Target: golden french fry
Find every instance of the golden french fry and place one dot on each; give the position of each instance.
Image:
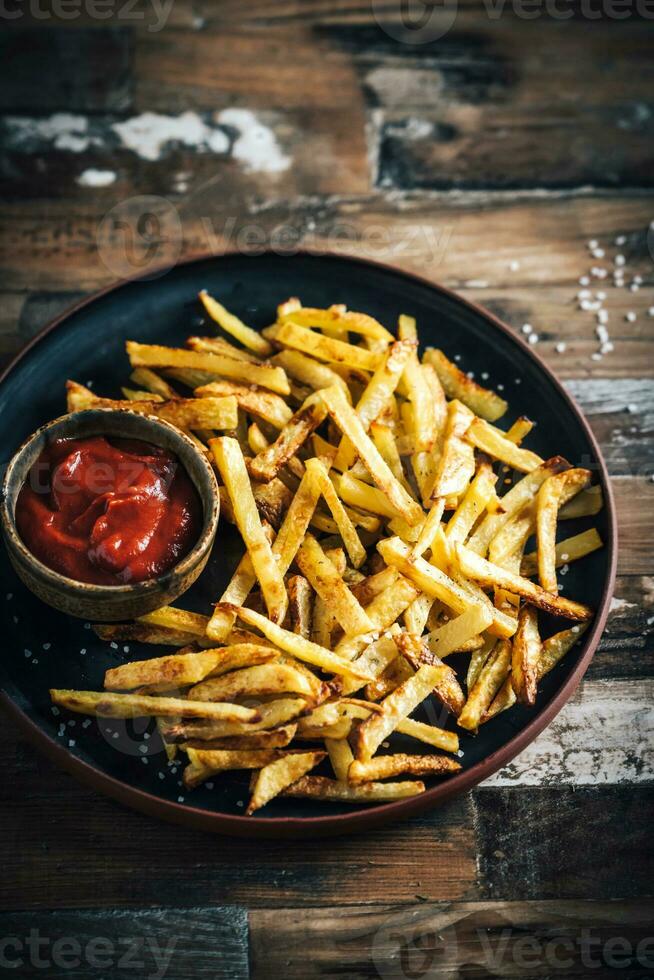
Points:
(184, 669)
(477, 661)
(300, 648)
(474, 502)
(340, 756)
(149, 380)
(450, 637)
(170, 617)
(205, 763)
(153, 355)
(300, 601)
(550, 497)
(236, 328)
(279, 775)
(526, 655)
(267, 463)
(230, 462)
(191, 413)
(439, 738)
(490, 679)
(586, 504)
(350, 425)
(272, 678)
(446, 685)
(325, 579)
(275, 738)
(566, 551)
(258, 402)
(458, 385)
(456, 464)
(494, 443)
(106, 705)
(487, 574)
(397, 706)
(271, 714)
(318, 473)
(218, 345)
(143, 633)
(326, 348)
(385, 766)
(331, 790)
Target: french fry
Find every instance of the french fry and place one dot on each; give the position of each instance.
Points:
(275, 738)
(218, 345)
(386, 766)
(340, 756)
(184, 669)
(384, 439)
(169, 617)
(192, 413)
(258, 402)
(279, 775)
(586, 504)
(566, 551)
(429, 529)
(229, 458)
(356, 493)
(472, 506)
(456, 465)
(436, 583)
(487, 574)
(325, 579)
(397, 706)
(152, 355)
(550, 497)
(450, 637)
(456, 384)
(350, 425)
(477, 661)
(149, 380)
(518, 497)
(300, 648)
(446, 686)
(144, 633)
(107, 705)
(271, 714)
(300, 600)
(331, 790)
(319, 475)
(489, 680)
(417, 614)
(205, 763)
(338, 316)
(309, 372)
(232, 325)
(526, 655)
(376, 396)
(270, 678)
(326, 348)
(439, 738)
(494, 443)
(267, 463)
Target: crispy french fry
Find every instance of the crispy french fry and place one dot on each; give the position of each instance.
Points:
(550, 497)
(236, 328)
(439, 738)
(318, 473)
(300, 648)
(456, 464)
(258, 402)
(326, 348)
(350, 425)
(478, 659)
(526, 655)
(586, 504)
(271, 714)
(450, 637)
(152, 355)
(275, 738)
(338, 316)
(205, 763)
(566, 551)
(170, 617)
(489, 680)
(192, 413)
(107, 705)
(308, 371)
(458, 385)
(340, 756)
(300, 600)
(323, 576)
(143, 633)
(218, 345)
(487, 574)
(494, 443)
(271, 678)
(397, 706)
(229, 458)
(183, 669)
(472, 506)
(267, 463)
(385, 766)
(149, 380)
(331, 790)
(446, 686)
(279, 775)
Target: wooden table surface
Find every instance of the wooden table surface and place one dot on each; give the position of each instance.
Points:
(486, 156)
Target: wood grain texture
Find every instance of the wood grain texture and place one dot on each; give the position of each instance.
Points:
(550, 842)
(145, 942)
(571, 939)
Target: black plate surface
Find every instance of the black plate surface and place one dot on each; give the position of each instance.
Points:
(43, 649)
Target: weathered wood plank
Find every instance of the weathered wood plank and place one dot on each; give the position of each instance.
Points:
(563, 842)
(603, 736)
(146, 942)
(627, 646)
(635, 505)
(60, 839)
(571, 939)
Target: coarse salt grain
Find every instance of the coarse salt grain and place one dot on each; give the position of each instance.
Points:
(607, 347)
(514, 265)
(584, 281)
(601, 295)
(596, 357)
(630, 317)
(527, 328)
(593, 243)
(560, 347)
(602, 316)
(621, 239)
(598, 253)
(620, 260)
(638, 280)
(533, 338)
(602, 333)
(634, 287)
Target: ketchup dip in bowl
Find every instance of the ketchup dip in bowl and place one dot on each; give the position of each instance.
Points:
(108, 514)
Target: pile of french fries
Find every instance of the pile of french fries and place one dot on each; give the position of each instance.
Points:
(367, 486)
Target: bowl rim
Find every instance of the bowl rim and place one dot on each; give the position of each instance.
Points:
(363, 818)
(211, 509)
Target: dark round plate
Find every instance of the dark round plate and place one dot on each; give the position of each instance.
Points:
(44, 649)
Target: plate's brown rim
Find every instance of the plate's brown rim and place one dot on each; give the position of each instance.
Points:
(241, 826)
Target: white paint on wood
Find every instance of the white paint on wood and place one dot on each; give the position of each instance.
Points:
(604, 736)
(148, 135)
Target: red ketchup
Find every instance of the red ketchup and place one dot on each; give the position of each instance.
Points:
(108, 511)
